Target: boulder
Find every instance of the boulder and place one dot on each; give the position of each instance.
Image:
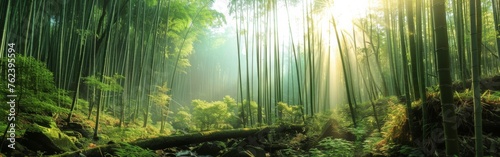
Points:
(49, 140)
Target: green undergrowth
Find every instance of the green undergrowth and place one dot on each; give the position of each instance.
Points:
(109, 131)
(38, 100)
(394, 137)
(366, 134)
(333, 133)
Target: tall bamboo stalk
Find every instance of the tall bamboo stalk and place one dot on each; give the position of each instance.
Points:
(476, 76)
(443, 57)
(405, 68)
(344, 69)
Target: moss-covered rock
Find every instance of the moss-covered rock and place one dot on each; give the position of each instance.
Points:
(49, 140)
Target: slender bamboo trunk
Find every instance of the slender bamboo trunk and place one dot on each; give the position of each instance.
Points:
(348, 89)
(152, 67)
(413, 51)
(296, 64)
(238, 23)
(405, 68)
(4, 29)
(479, 22)
(370, 90)
(421, 70)
(81, 63)
(60, 54)
(367, 60)
(476, 76)
(443, 56)
(496, 18)
(100, 93)
(389, 48)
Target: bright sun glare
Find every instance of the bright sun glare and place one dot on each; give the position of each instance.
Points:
(344, 11)
(347, 10)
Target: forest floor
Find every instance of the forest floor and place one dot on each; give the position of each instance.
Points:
(328, 134)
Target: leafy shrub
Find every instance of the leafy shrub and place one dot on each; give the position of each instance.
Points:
(253, 110)
(290, 113)
(234, 111)
(31, 75)
(183, 120)
(210, 115)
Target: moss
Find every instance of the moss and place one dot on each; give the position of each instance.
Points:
(51, 137)
(45, 121)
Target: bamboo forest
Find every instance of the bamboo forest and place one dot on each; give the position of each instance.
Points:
(250, 78)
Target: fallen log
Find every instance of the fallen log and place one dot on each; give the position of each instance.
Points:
(163, 142)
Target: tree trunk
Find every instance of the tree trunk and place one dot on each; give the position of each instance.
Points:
(496, 19)
(348, 89)
(3, 27)
(405, 68)
(192, 138)
(413, 50)
(443, 57)
(479, 31)
(389, 49)
(478, 130)
(162, 127)
(421, 69)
